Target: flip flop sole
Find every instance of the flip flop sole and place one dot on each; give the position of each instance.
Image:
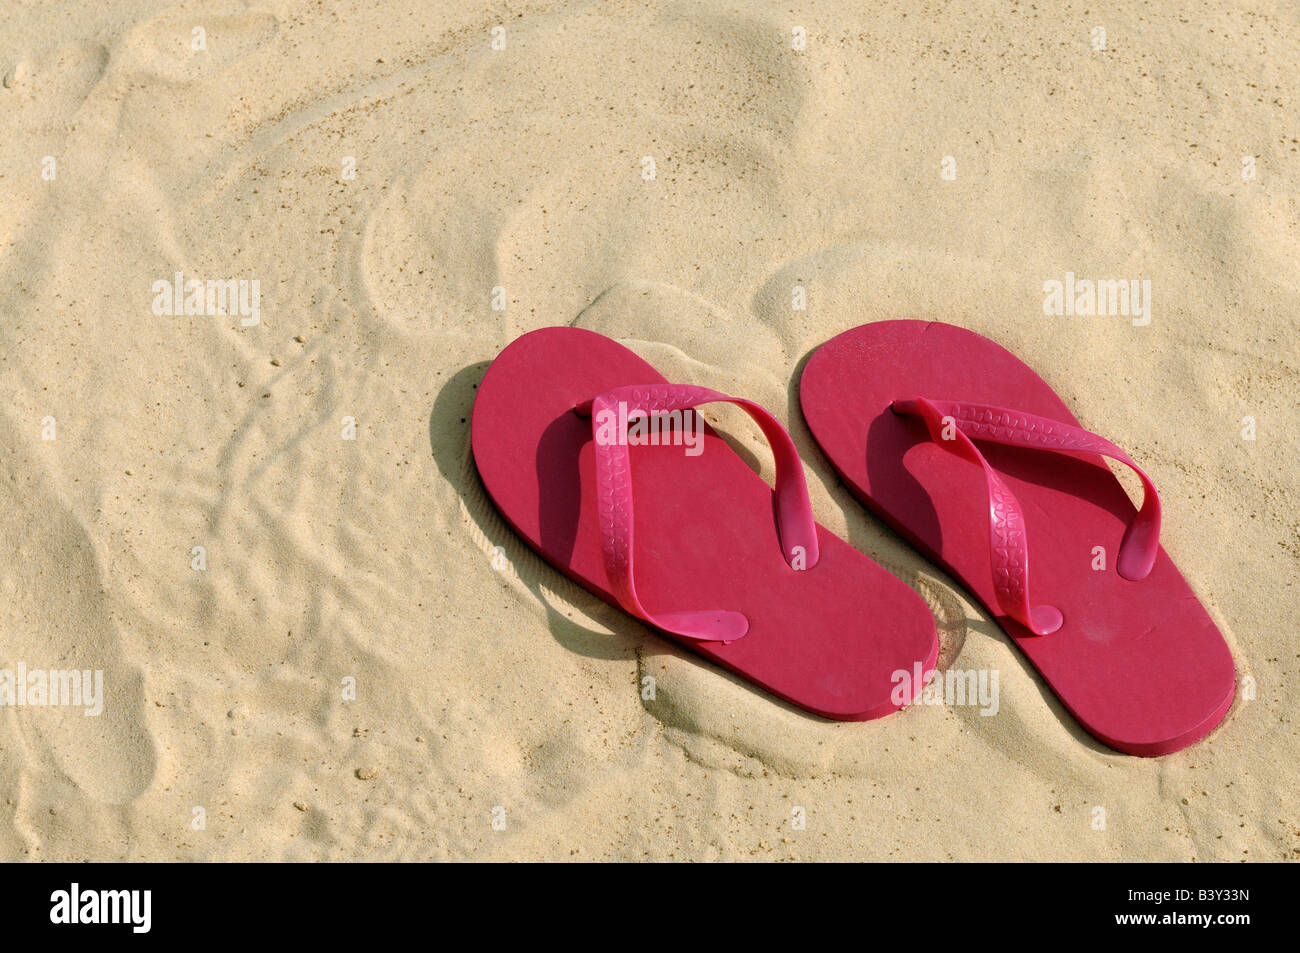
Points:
(1140, 664)
(829, 639)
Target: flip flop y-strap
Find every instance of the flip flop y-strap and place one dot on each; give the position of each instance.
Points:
(954, 425)
(610, 414)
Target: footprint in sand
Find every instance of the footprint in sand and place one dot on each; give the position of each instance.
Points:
(59, 78)
(54, 613)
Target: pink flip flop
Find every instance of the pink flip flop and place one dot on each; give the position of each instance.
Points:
(968, 454)
(719, 561)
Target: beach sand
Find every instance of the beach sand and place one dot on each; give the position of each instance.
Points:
(318, 639)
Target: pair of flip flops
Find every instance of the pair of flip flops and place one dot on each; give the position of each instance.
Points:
(951, 439)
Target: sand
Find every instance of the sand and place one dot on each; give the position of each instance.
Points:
(318, 639)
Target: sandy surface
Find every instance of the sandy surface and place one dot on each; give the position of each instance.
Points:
(482, 679)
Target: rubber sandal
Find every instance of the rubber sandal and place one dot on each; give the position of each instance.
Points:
(969, 455)
(719, 562)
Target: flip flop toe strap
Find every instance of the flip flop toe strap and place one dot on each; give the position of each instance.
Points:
(954, 425)
(611, 413)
